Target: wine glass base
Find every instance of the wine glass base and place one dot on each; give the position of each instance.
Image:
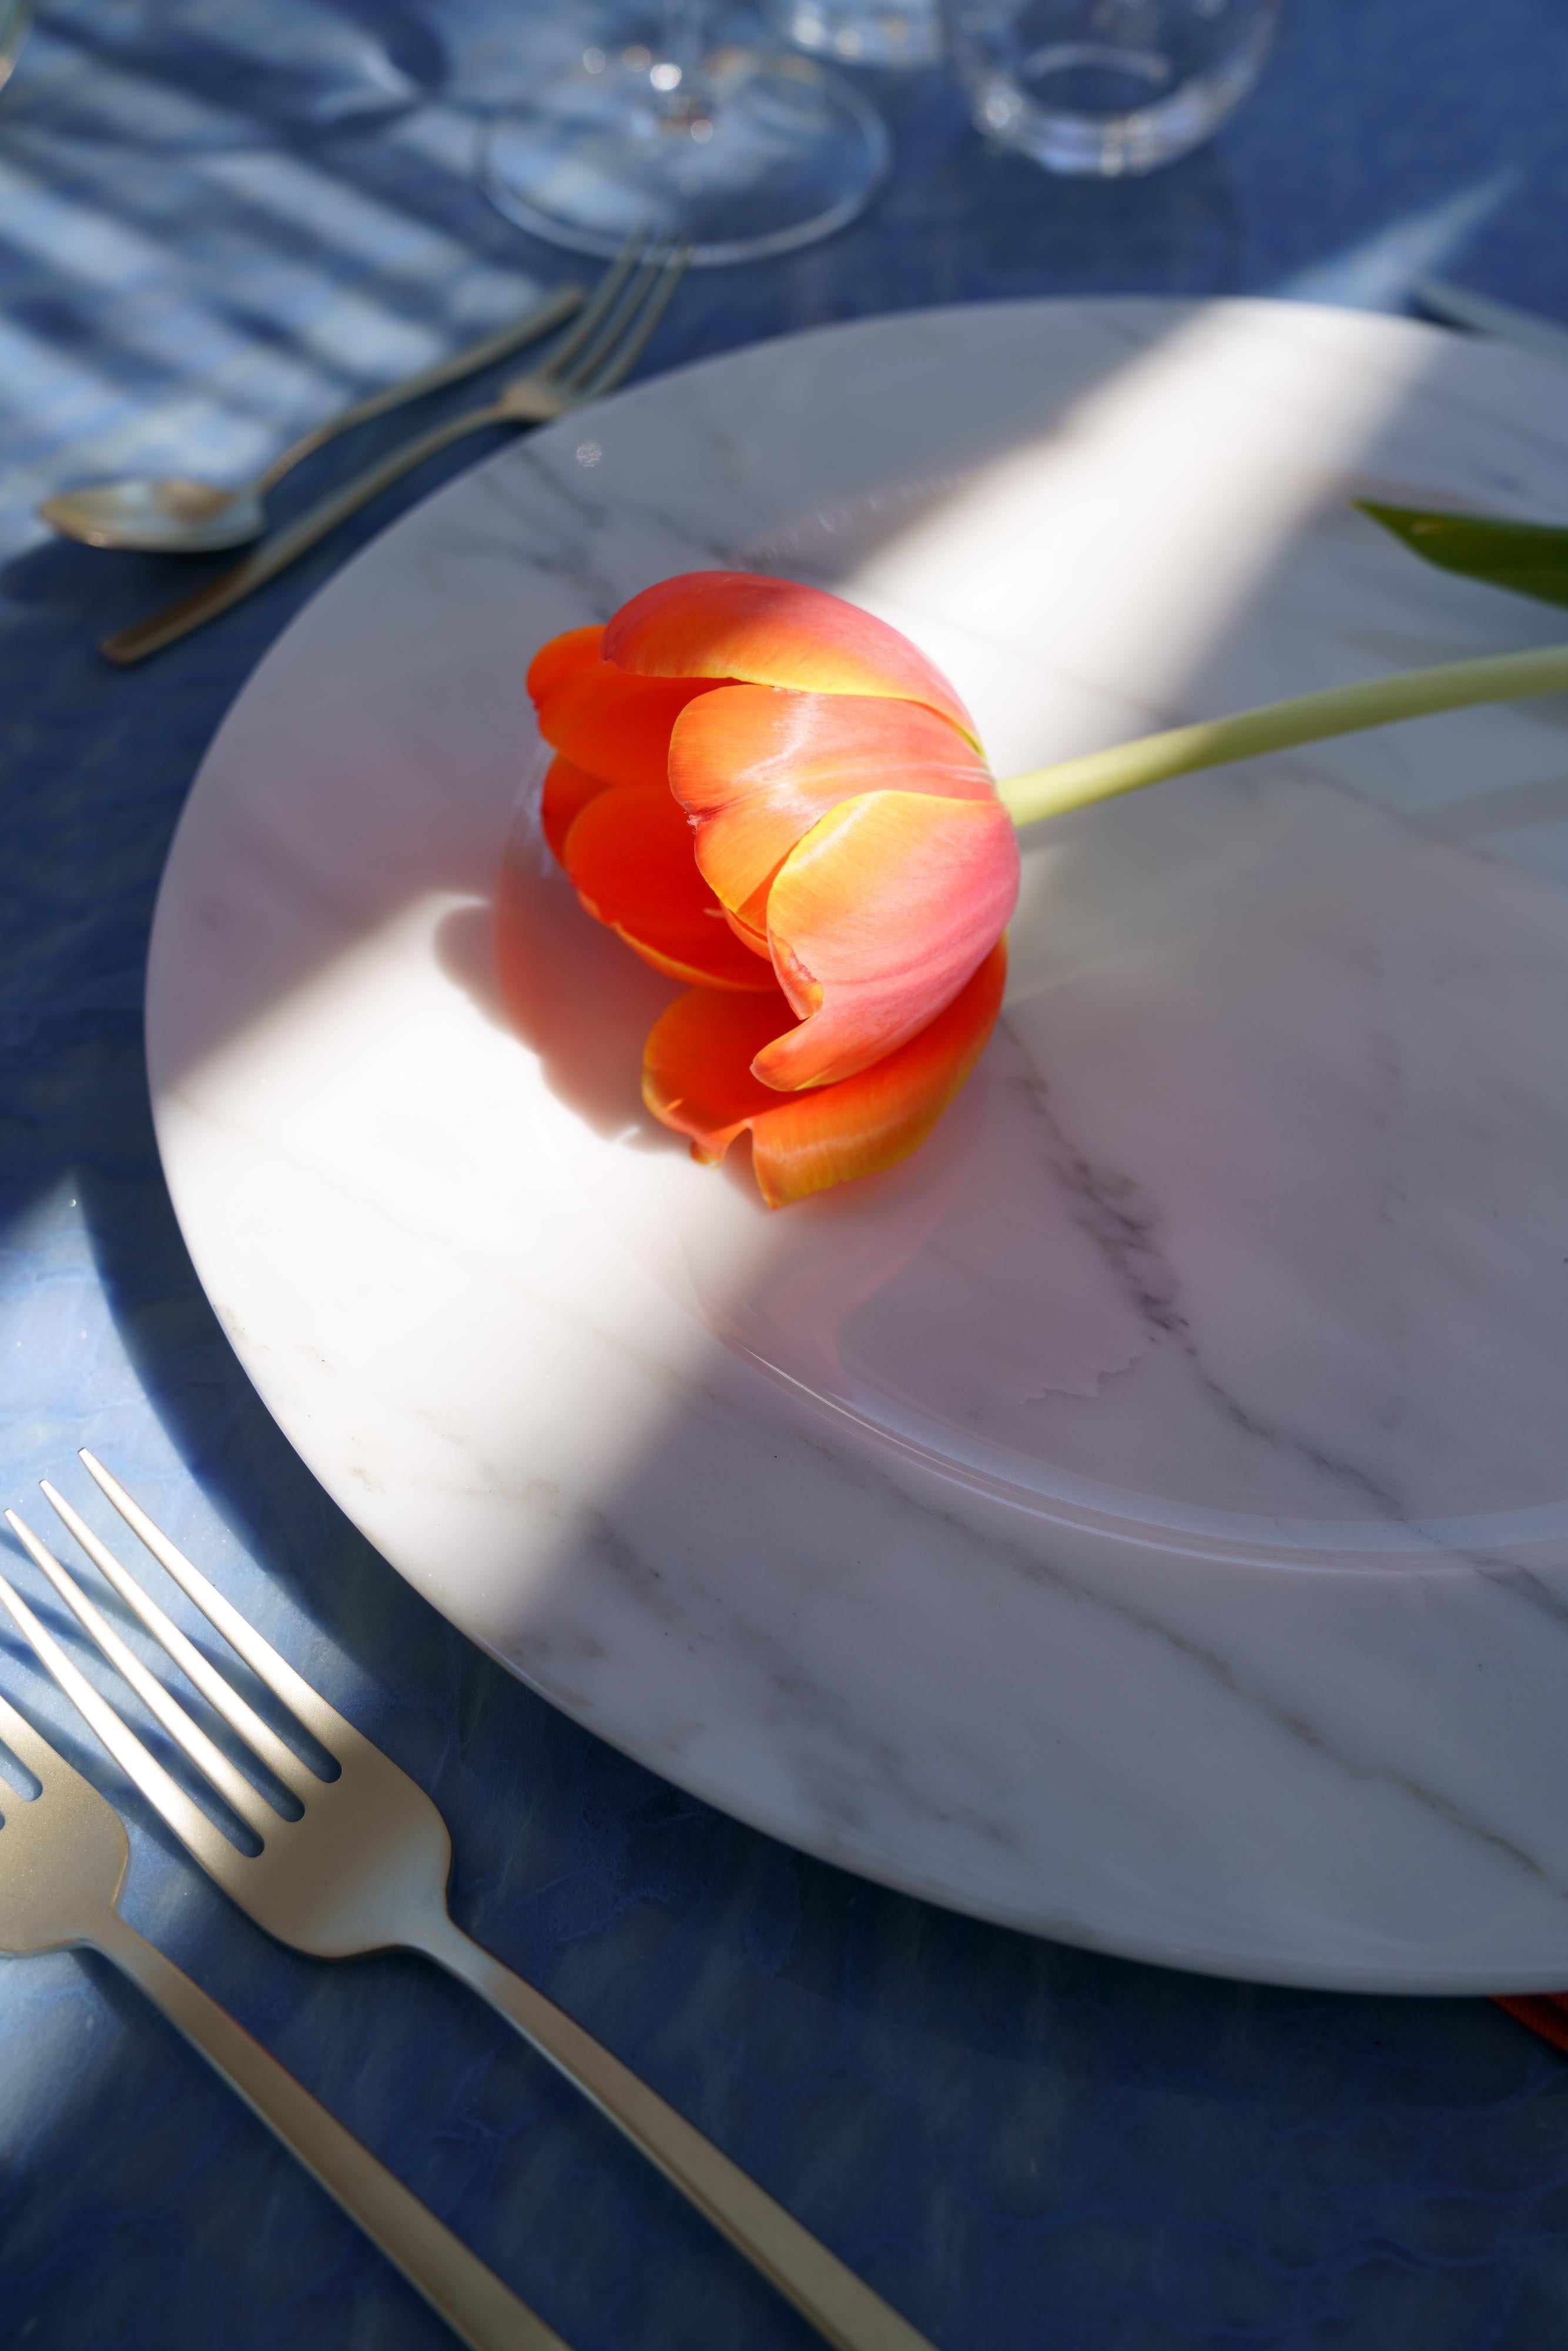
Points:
(763, 154)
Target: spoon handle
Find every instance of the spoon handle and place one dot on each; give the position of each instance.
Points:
(275, 554)
(553, 311)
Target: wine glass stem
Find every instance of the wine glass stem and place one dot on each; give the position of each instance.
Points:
(685, 48)
(684, 32)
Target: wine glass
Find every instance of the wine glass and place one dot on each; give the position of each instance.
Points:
(863, 31)
(656, 125)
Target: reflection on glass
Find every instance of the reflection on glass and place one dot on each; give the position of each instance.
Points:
(664, 131)
(864, 32)
(1107, 86)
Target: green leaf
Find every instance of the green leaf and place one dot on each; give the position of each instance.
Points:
(1530, 557)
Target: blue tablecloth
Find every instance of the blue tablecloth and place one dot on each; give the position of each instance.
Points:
(1022, 2145)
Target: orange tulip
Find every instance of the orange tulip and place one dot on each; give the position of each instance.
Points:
(698, 1076)
(773, 795)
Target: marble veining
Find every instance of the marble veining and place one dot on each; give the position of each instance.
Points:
(1143, 1517)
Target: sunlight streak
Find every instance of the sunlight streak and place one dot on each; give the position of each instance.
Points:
(1126, 543)
(1379, 272)
(235, 395)
(82, 240)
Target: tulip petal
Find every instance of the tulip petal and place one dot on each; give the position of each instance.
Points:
(876, 919)
(755, 766)
(696, 1078)
(764, 632)
(603, 719)
(566, 792)
(629, 853)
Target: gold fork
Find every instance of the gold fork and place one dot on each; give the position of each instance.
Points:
(63, 1857)
(604, 343)
(365, 1868)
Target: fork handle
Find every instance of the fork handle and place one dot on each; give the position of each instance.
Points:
(838, 2304)
(282, 548)
(553, 311)
(470, 2298)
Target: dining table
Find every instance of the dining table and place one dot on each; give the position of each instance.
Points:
(1022, 2143)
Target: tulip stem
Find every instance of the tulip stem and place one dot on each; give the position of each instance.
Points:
(1305, 718)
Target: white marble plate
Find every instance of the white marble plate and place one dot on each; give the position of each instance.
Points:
(1144, 1517)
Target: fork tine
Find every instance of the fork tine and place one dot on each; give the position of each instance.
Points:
(324, 1722)
(243, 1719)
(620, 363)
(252, 1808)
(593, 312)
(28, 1745)
(190, 1824)
(616, 322)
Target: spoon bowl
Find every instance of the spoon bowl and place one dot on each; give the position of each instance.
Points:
(167, 517)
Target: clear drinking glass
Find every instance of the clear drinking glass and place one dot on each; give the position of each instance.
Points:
(665, 129)
(1107, 86)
